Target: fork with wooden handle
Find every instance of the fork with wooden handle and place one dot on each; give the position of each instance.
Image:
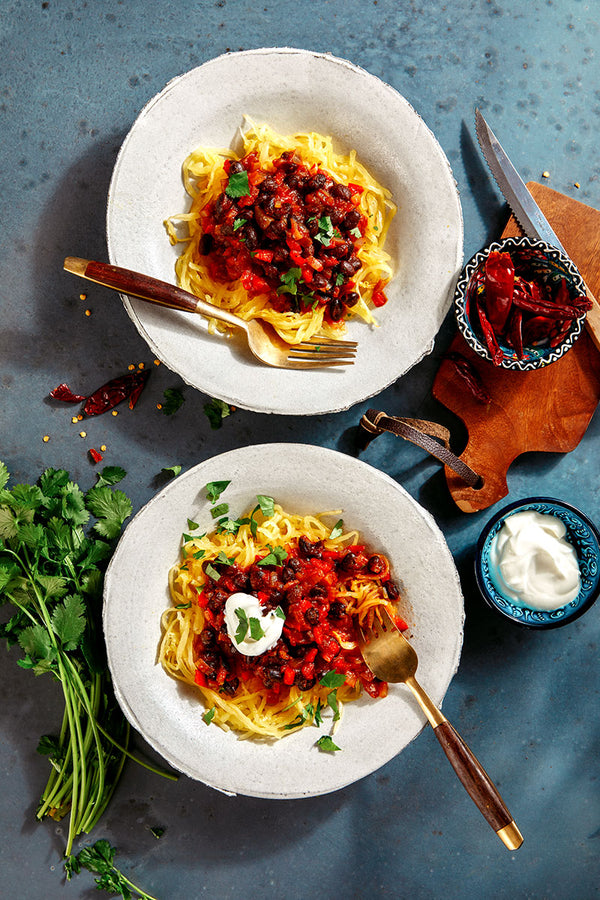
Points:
(392, 658)
(263, 340)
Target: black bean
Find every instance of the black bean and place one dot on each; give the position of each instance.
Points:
(275, 231)
(346, 269)
(336, 610)
(248, 233)
(296, 181)
(302, 683)
(318, 181)
(312, 615)
(313, 225)
(355, 262)
(352, 219)
(336, 309)
(274, 672)
(208, 636)
(309, 548)
(230, 687)
(341, 250)
(235, 167)
(376, 564)
(268, 184)
(341, 191)
(351, 298)
(392, 590)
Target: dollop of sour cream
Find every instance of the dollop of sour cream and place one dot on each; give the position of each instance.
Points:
(271, 624)
(532, 563)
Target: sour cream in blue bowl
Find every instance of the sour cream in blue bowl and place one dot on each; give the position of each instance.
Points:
(538, 562)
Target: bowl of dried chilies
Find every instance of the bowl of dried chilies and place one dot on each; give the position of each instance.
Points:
(520, 304)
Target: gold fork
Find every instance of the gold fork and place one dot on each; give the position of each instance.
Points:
(263, 340)
(392, 658)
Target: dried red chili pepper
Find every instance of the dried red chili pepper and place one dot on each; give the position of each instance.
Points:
(516, 332)
(537, 329)
(125, 387)
(469, 375)
(63, 392)
(97, 457)
(488, 333)
(499, 282)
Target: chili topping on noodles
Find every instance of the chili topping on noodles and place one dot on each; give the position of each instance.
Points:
(291, 232)
(319, 633)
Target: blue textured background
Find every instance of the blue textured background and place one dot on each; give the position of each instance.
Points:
(73, 78)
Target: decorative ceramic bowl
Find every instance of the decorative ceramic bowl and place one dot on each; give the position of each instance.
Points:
(581, 534)
(303, 479)
(540, 262)
(292, 91)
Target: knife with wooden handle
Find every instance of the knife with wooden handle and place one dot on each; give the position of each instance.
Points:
(526, 211)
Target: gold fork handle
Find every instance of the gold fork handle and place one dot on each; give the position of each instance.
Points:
(473, 776)
(145, 287)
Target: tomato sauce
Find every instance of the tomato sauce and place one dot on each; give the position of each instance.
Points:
(319, 634)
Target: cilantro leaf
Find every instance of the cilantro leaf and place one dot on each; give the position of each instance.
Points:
(219, 510)
(242, 629)
(4, 475)
(332, 679)
(238, 185)
(222, 558)
(68, 621)
(111, 508)
(267, 505)
(256, 629)
(332, 702)
(326, 744)
(110, 475)
(209, 715)
(214, 489)
(289, 281)
(337, 530)
(173, 400)
(280, 613)
(216, 411)
(192, 526)
(230, 526)
(238, 223)
(52, 481)
(37, 643)
(212, 572)
(171, 471)
(274, 558)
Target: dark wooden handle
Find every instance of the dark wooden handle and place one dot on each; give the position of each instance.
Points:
(143, 286)
(473, 776)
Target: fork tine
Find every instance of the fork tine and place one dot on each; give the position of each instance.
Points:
(300, 352)
(328, 342)
(322, 363)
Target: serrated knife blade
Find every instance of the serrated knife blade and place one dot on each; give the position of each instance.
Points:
(516, 193)
(525, 209)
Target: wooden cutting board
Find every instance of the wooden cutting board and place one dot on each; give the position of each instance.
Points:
(546, 410)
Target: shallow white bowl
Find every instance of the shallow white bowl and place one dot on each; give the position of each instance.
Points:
(303, 479)
(291, 90)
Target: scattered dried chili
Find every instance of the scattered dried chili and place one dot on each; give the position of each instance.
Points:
(469, 375)
(97, 457)
(126, 387)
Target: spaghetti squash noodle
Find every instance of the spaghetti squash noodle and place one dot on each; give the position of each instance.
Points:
(320, 582)
(290, 232)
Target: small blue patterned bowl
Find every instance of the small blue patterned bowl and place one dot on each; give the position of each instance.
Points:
(543, 263)
(581, 534)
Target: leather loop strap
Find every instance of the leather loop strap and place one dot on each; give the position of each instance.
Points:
(429, 435)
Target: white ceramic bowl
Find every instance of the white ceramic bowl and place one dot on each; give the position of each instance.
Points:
(303, 479)
(291, 90)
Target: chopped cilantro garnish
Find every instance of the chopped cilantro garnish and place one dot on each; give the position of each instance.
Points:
(332, 679)
(326, 743)
(222, 558)
(212, 572)
(356, 232)
(280, 613)
(256, 629)
(214, 489)
(332, 702)
(183, 605)
(238, 185)
(274, 558)
(209, 715)
(267, 505)
(219, 510)
(242, 629)
(198, 554)
(173, 400)
(216, 411)
(171, 471)
(238, 223)
(192, 525)
(337, 529)
(289, 281)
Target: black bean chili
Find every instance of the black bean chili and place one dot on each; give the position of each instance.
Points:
(318, 635)
(291, 232)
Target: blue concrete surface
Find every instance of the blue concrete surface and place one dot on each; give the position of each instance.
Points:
(73, 77)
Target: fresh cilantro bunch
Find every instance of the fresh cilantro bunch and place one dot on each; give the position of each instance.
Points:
(55, 541)
(99, 859)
